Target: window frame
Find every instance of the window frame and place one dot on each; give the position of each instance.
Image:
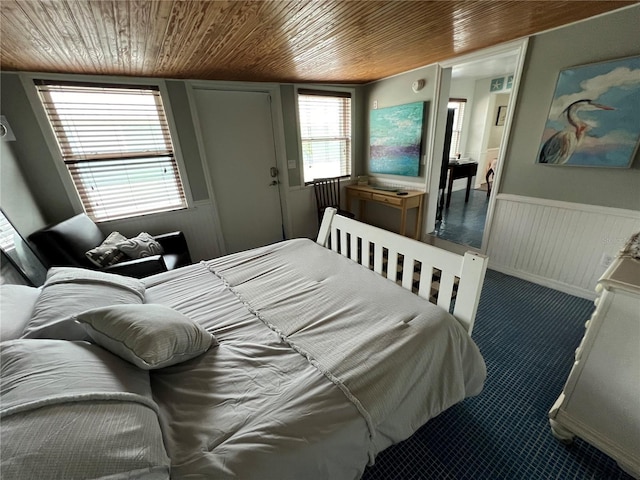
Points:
(328, 91)
(28, 79)
(463, 101)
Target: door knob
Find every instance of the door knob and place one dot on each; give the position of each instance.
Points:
(273, 183)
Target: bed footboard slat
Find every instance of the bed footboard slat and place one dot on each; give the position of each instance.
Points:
(473, 270)
(445, 290)
(334, 238)
(392, 265)
(424, 285)
(407, 272)
(353, 251)
(377, 258)
(366, 254)
(344, 245)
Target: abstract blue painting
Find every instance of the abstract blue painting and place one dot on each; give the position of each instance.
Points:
(396, 139)
(594, 119)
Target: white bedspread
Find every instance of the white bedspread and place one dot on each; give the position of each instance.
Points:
(378, 363)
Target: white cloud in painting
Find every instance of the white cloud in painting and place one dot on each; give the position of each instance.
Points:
(612, 140)
(592, 88)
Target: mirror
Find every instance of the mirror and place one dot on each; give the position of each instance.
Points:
(19, 265)
(479, 94)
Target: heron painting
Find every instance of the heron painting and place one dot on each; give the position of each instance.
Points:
(594, 119)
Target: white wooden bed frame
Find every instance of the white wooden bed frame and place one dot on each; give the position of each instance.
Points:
(350, 237)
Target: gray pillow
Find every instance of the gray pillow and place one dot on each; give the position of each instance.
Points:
(149, 336)
(16, 308)
(144, 245)
(107, 253)
(68, 291)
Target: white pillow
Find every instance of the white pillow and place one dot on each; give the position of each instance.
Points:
(68, 291)
(149, 336)
(144, 245)
(16, 308)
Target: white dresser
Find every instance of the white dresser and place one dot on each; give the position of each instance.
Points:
(600, 402)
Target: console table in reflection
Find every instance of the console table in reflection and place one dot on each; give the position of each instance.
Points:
(466, 170)
(403, 202)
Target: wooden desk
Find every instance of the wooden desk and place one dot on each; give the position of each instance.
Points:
(365, 193)
(461, 170)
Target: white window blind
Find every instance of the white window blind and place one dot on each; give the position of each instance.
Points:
(115, 141)
(458, 105)
(325, 130)
(7, 242)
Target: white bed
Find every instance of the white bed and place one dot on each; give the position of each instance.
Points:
(319, 364)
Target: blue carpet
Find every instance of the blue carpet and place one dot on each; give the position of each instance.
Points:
(528, 335)
(462, 222)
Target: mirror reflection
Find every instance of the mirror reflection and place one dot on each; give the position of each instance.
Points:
(19, 264)
(479, 96)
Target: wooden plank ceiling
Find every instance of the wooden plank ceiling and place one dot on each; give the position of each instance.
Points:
(279, 40)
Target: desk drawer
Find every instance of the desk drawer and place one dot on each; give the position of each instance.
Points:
(363, 195)
(387, 199)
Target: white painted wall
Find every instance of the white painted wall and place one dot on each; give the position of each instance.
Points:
(492, 133)
(302, 212)
(15, 197)
(464, 88)
(478, 119)
(496, 131)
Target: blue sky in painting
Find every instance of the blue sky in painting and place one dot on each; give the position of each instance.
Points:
(613, 134)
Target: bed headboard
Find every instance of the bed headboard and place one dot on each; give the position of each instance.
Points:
(442, 277)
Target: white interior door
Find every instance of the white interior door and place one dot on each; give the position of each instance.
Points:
(237, 136)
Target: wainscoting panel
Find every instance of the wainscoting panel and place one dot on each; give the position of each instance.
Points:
(197, 223)
(558, 244)
(302, 216)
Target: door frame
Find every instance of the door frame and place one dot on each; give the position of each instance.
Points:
(518, 47)
(278, 138)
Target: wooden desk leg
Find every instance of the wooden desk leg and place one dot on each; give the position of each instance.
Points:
(419, 220)
(350, 202)
(403, 219)
(466, 197)
(449, 188)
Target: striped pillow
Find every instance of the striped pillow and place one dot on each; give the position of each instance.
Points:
(144, 245)
(107, 253)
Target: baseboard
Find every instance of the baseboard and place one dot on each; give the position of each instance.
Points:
(545, 282)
